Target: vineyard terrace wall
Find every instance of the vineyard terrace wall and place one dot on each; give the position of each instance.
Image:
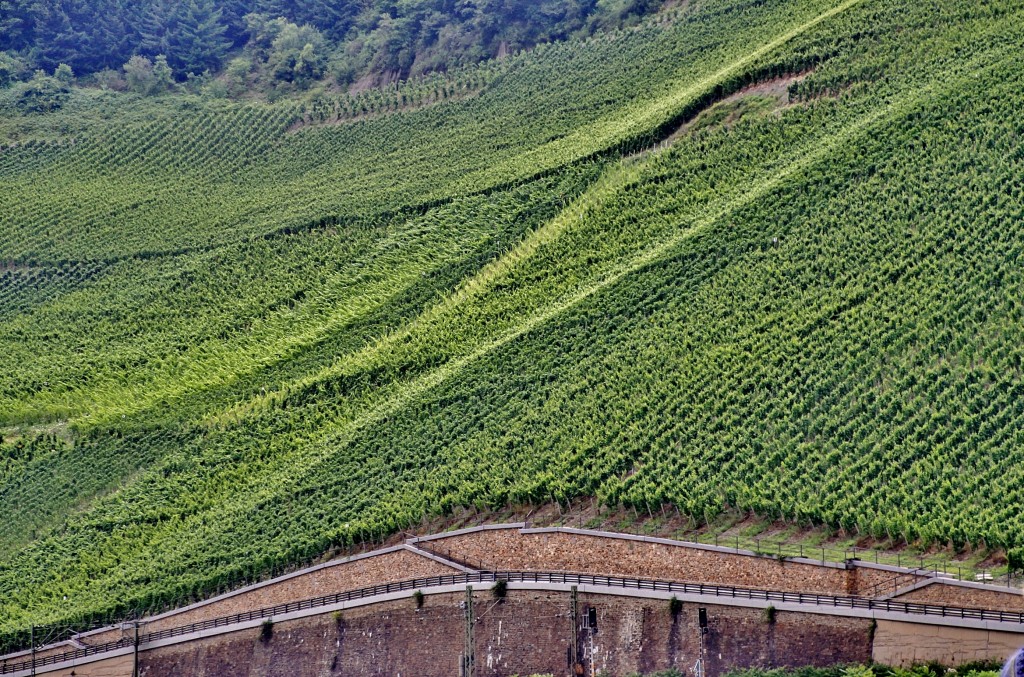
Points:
(526, 633)
(376, 568)
(583, 551)
(515, 547)
(963, 594)
(531, 631)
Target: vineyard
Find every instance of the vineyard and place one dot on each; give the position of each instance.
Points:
(238, 336)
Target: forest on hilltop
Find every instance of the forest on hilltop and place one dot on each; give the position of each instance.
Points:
(291, 41)
(740, 255)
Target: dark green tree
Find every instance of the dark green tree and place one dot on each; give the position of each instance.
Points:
(156, 27)
(198, 44)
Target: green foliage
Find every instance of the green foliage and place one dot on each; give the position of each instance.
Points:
(1015, 559)
(298, 54)
(149, 77)
(139, 75)
(500, 589)
(858, 671)
(198, 43)
(12, 69)
(42, 94)
(413, 36)
(163, 76)
(64, 75)
(418, 598)
(836, 671)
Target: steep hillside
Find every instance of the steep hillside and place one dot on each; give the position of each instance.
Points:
(231, 341)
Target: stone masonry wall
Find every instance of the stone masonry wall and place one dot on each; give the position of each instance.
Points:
(583, 553)
(508, 549)
(387, 568)
(970, 598)
(870, 582)
(528, 632)
(112, 667)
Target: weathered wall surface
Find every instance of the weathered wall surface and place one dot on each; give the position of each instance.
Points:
(508, 549)
(645, 637)
(872, 582)
(532, 632)
(388, 568)
(526, 633)
(113, 667)
(582, 553)
(969, 598)
(906, 644)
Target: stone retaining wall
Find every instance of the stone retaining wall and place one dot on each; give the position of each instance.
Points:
(580, 552)
(528, 632)
(559, 551)
(948, 594)
(112, 667)
(389, 567)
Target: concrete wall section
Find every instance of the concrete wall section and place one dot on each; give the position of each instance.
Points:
(905, 644)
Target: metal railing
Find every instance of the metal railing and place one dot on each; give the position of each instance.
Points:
(896, 583)
(726, 592)
(446, 553)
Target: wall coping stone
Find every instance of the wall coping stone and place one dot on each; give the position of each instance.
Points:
(437, 558)
(467, 530)
(892, 568)
(955, 582)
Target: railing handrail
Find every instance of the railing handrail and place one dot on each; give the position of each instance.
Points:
(556, 577)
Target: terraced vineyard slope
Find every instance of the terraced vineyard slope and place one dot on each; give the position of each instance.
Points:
(235, 337)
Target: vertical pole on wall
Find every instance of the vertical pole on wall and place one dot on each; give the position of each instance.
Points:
(32, 645)
(574, 660)
(469, 652)
(702, 628)
(135, 666)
